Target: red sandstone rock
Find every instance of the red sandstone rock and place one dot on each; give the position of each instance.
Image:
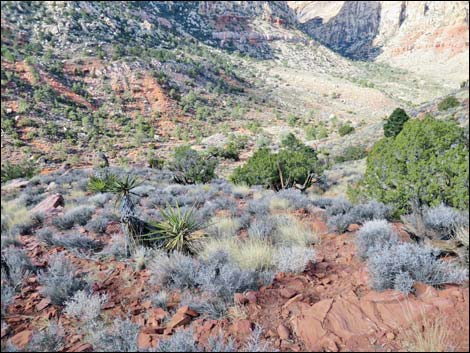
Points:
(252, 297)
(287, 293)
(242, 327)
(354, 227)
(48, 204)
(283, 332)
(21, 339)
(239, 298)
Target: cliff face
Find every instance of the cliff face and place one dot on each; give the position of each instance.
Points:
(430, 37)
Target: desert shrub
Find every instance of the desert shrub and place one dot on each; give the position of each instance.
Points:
(230, 151)
(160, 299)
(262, 228)
(7, 293)
(398, 266)
(156, 163)
(85, 307)
(358, 214)
(31, 197)
(174, 270)
(395, 122)
(16, 265)
(25, 224)
(253, 254)
(373, 235)
(98, 224)
(294, 166)
(52, 339)
(216, 275)
(59, 283)
(219, 276)
(323, 202)
(443, 221)
(220, 344)
(256, 343)
(183, 341)
(69, 241)
(369, 211)
(292, 232)
(351, 153)
(190, 167)
(9, 239)
(338, 206)
(296, 198)
(9, 171)
(447, 103)
(426, 164)
(258, 207)
(100, 200)
(345, 130)
(121, 336)
(223, 227)
(340, 222)
(78, 215)
(206, 304)
(293, 259)
(116, 247)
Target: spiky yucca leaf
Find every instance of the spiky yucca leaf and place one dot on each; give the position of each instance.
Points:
(177, 231)
(103, 183)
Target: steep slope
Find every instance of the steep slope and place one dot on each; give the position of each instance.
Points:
(137, 78)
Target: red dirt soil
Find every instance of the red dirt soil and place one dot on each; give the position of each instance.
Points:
(329, 307)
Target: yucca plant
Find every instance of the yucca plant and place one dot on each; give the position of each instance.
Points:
(133, 227)
(462, 238)
(105, 183)
(177, 231)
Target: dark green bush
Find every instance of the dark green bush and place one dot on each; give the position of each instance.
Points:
(395, 122)
(295, 165)
(345, 130)
(25, 169)
(230, 151)
(447, 103)
(190, 167)
(351, 153)
(156, 163)
(426, 164)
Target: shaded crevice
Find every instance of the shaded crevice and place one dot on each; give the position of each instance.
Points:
(351, 32)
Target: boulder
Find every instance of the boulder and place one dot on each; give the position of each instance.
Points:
(48, 204)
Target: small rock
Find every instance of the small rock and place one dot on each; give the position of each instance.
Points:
(287, 293)
(43, 304)
(81, 347)
(242, 327)
(185, 310)
(177, 320)
(239, 298)
(354, 227)
(144, 340)
(21, 339)
(252, 297)
(390, 336)
(283, 332)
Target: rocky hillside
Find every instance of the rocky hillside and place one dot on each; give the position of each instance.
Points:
(137, 78)
(430, 37)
